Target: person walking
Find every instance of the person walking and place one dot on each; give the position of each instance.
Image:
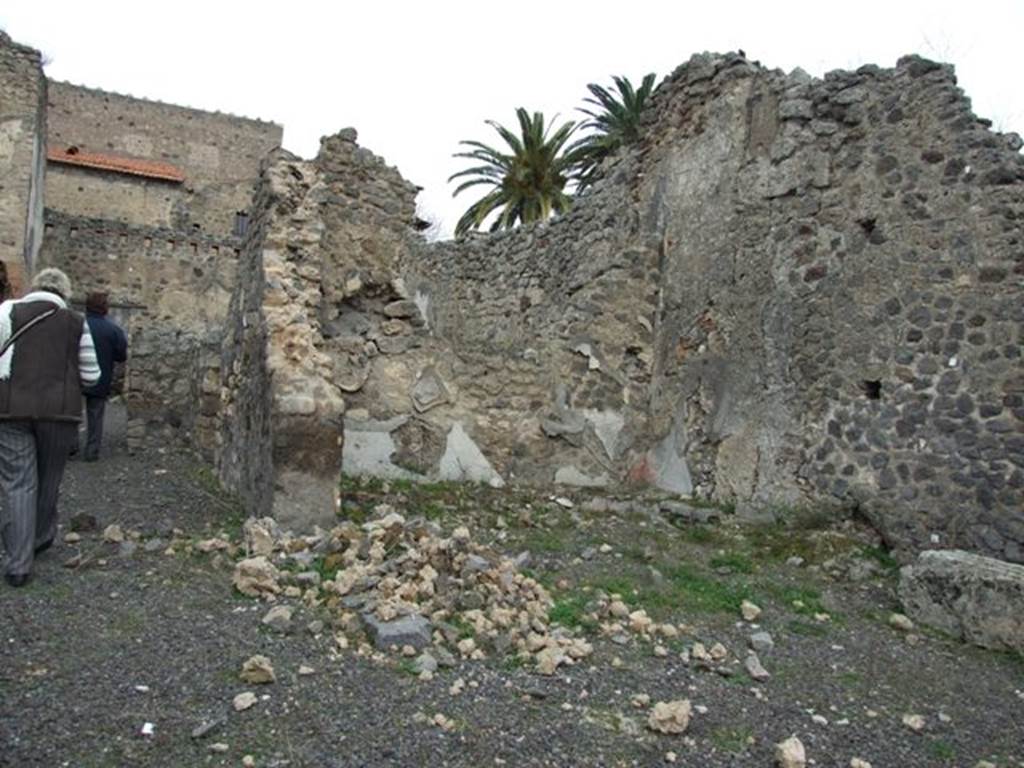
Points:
(47, 357)
(111, 347)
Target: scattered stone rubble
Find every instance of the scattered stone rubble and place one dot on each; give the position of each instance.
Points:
(670, 716)
(431, 598)
(413, 590)
(790, 753)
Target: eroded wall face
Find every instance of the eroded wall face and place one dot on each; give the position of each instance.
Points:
(219, 155)
(842, 296)
(548, 336)
(793, 292)
(22, 144)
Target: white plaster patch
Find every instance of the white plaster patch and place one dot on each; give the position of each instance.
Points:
(671, 472)
(607, 426)
(463, 460)
(571, 476)
(423, 304)
(369, 452)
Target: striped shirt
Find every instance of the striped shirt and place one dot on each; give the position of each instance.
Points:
(88, 366)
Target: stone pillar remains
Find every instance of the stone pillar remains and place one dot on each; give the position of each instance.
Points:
(22, 157)
(326, 232)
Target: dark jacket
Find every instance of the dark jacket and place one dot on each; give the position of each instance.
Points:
(45, 377)
(111, 347)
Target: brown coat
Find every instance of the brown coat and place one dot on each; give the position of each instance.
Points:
(44, 382)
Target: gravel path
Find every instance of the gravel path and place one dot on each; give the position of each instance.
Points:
(89, 655)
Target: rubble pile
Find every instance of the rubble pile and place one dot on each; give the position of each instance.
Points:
(411, 589)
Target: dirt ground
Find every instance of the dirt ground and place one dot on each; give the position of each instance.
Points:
(127, 654)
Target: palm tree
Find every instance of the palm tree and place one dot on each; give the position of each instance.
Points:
(616, 124)
(528, 181)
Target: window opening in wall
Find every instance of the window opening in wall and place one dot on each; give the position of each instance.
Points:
(241, 223)
(872, 389)
(72, 150)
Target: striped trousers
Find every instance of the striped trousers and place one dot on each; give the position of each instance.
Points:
(32, 458)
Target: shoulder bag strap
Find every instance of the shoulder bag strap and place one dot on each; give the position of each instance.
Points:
(34, 321)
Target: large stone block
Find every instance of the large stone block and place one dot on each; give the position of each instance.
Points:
(411, 630)
(975, 598)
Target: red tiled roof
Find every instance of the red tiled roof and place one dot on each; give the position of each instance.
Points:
(151, 169)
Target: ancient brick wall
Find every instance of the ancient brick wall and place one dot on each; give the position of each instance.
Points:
(22, 149)
(168, 290)
(219, 154)
(118, 198)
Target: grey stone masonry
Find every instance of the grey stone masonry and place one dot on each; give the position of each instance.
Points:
(975, 598)
(22, 155)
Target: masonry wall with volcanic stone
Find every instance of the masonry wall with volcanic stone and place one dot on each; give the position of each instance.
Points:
(22, 154)
(329, 234)
(169, 290)
(795, 292)
(841, 295)
(217, 154)
(550, 339)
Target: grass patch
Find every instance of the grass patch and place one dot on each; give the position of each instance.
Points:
(401, 484)
(777, 543)
(697, 592)
(432, 510)
(621, 586)
(328, 567)
(685, 589)
(850, 679)
(513, 662)
(735, 561)
(942, 750)
(541, 540)
(733, 739)
(570, 612)
(407, 667)
(463, 627)
(881, 556)
(353, 513)
(804, 600)
(741, 679)
(700, 533)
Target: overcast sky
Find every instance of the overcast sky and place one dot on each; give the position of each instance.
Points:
(416, 77)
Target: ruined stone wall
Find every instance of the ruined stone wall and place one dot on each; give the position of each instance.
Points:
(277, 378)
(831, 271)
(232, 384)
(842, 295)
(22, 150)
(219, 154)
(547, 340)
(170, 291)
(793, 292)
